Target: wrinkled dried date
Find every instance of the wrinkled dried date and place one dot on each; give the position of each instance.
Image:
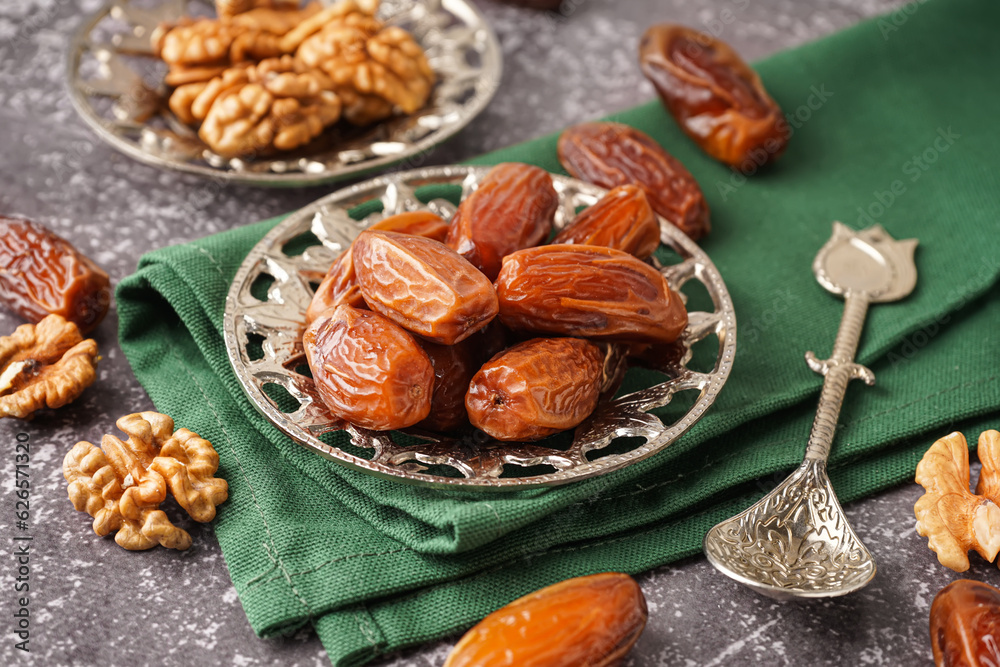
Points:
(612, 154)
(716, 98)
(454, 366)
(423, 285)
(588, 291)
(512, 208)
(965, 624)
(536, 388)
(43, 274)
(621, 219)
(592, 621)
(368, 370)
(340, 285)
(492, 339)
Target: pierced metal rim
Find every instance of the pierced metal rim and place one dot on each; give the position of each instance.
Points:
(471, 109)
(356, 194)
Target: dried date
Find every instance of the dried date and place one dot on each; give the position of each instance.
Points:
(454, 366)
(492, 339)
(716, 98)
(43, 274)
(588, 291)
(621, 219)
(536, 388)
(965, 624)
(423, 285)
(592, 621)
(340, 285)
(368, 370)
(512, 208)
(612, 154)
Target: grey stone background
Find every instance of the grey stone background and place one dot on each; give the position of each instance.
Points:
(94, 604)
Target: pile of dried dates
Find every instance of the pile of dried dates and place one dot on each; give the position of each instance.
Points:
(483, 323)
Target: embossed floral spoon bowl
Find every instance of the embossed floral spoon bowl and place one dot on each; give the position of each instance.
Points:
(795, 542)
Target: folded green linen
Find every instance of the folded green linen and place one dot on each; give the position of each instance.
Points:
(894, 124)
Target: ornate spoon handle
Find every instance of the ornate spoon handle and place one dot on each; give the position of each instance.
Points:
(837, 371)
(795, 542)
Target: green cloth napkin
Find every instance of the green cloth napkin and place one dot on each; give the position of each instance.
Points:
(895, 123)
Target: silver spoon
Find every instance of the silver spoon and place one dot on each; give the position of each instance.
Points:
(795, 542)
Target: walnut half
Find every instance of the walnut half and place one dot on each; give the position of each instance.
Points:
(123, 483)
(952, 518)
(375, 69)
(227, 9)
(274, 105)
(48, 364)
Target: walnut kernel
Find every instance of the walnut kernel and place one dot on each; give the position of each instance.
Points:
(229, 9)
(374, 71)
(122, 484)
(273, 105)
(48, 364)
(953, 519)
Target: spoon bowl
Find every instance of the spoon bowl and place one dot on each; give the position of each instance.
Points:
(795, 542)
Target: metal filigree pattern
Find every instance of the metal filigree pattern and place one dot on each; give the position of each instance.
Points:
(277, 322)
(117, 87)
(795, 540)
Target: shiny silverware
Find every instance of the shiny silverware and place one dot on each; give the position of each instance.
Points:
(473, 461)
(114, 84)
(796, 542)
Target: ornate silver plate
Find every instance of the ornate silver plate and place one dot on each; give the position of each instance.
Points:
(263, 332)
(116, 85)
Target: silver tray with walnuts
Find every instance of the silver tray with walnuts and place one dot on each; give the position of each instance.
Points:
(278, 92)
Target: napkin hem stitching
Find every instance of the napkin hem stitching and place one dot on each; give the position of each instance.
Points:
(632, 493)
(254, 583)
(276, 559)
(788, 440)
(546, 552)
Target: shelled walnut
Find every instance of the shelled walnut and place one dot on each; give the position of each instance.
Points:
(123, 483)
(227, 9)
(207, 42)
(253, 34)
(275, 104)
(374, 69)
(953, 519)
(339, 12)
(48, 364)
(225, 72)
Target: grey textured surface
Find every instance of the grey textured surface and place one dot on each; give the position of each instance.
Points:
(94, 604)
